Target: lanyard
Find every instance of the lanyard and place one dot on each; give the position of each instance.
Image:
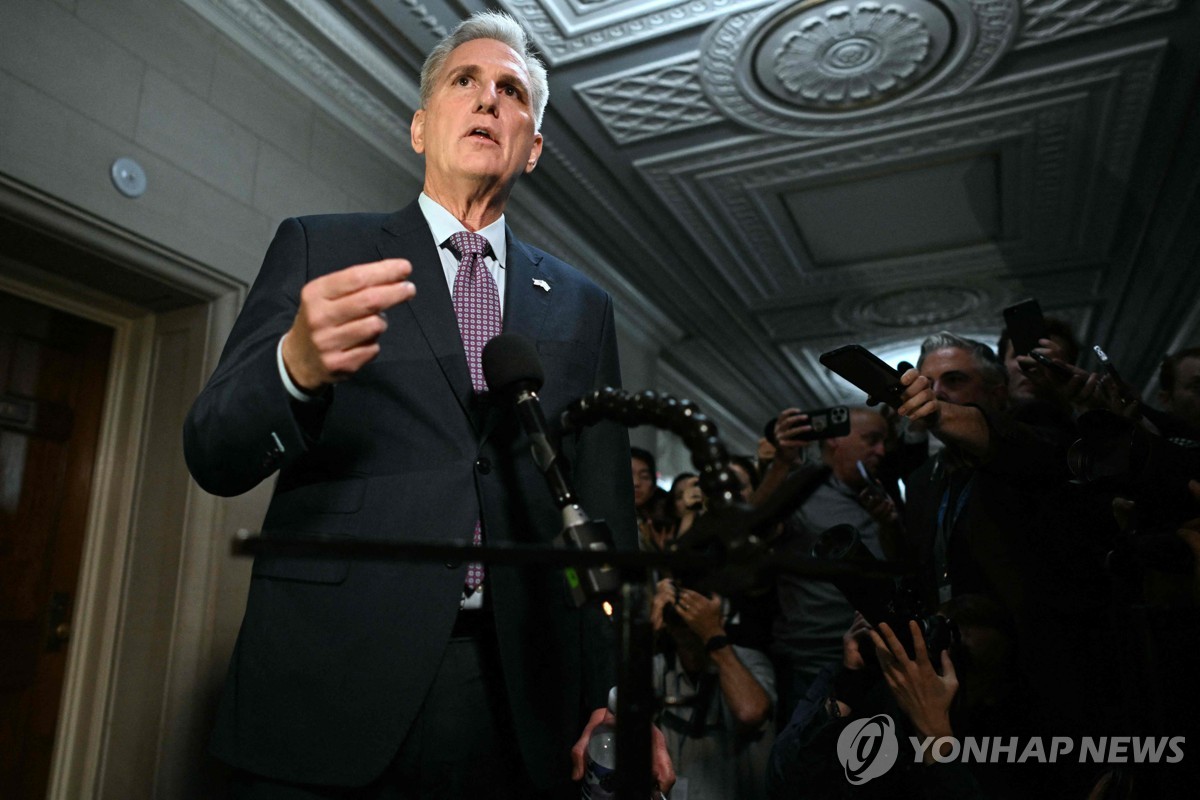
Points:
(945, 529)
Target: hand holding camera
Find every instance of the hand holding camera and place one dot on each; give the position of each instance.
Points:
(702, 614)
(920, 690)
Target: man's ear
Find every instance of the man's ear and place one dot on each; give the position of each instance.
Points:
(535, 153)
(1164, 400)
(417, 131)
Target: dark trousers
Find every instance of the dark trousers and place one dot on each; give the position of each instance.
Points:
(461, 744)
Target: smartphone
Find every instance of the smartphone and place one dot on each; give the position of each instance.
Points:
(1106, 362)
(1123, 389)
(1025, 325)
(1050, 364)
(828, 422)
(867, 371)
(873, 486)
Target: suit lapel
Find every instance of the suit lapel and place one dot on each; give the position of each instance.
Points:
(527, 291)
(406, 235)
(525, 305)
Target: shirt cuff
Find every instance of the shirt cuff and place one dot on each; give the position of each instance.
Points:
(295, 391)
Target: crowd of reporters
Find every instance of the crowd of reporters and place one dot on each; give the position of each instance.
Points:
(1048, 523)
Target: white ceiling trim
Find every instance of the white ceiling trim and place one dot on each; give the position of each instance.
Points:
(266, 36)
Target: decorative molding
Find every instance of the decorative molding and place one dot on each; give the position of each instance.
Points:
(912, 307)
(426, 18)
(806, 69)
(564, 39)
(349, 41)
(650, 101)
(727, 193)
(1045, 21)
(297, 60)
(850, 56)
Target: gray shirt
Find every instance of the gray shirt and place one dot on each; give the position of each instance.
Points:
(814, 614)
(720, 764)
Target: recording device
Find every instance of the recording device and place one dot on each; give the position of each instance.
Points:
(1106, 363)
(512, 369)
(873, 486)
(880, 599)
(1053, 366)
(827, 423)
(1123, 389)
(867, 371)
(1116, 454)
(1025, 325)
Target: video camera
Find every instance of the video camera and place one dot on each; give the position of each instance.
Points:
(881, 599)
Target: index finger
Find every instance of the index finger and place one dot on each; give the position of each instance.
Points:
(362, 276)
(919, 649)
(893, 644)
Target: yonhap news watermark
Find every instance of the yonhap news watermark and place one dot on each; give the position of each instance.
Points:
(870, 747)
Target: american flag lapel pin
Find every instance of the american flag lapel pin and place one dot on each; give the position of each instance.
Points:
(541, 284)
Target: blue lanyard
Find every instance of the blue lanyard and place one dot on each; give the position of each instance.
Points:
(945, 529)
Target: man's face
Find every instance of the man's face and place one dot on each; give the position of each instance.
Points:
(643, 482)
(1021, 387)
(957, 379)
(865, 443)
(1184, 400)
(478, 124)
(687, 495)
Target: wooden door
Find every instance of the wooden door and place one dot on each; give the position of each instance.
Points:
(52, 378)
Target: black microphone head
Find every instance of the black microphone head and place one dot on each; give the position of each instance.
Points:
(510, 361)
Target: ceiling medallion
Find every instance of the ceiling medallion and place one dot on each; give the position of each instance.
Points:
(810, 68)
(914, 308)
(846, 56)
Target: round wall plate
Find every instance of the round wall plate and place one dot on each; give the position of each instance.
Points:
(128, 176)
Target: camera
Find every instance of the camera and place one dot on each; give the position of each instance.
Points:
(881, 599)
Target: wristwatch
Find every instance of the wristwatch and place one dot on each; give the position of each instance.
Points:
(716, 642)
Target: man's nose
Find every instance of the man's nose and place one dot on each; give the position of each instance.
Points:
(488, 98)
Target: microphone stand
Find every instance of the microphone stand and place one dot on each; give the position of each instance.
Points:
(725, 551)
(635, 691)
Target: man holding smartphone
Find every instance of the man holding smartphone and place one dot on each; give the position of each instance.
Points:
(813, 615)
(993, 513)
(1026, 377)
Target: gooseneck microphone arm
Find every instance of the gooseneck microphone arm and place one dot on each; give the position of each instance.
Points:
(681, 417)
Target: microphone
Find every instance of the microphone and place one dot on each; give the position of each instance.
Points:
(512, 368)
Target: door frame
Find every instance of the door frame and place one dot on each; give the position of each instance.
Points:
(88, 716)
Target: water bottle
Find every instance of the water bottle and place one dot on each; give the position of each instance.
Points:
(600, 775)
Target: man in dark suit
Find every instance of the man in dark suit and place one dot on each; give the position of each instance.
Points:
(412, 679)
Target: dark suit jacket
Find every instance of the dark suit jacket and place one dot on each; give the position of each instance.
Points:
(334, 657)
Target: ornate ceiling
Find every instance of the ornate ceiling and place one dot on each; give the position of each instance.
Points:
(759, 182)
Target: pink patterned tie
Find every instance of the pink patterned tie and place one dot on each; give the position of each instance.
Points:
(477, 306)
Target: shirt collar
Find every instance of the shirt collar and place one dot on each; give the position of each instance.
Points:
(443, 224)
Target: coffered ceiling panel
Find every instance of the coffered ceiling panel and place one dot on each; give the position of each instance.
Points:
(760, 181)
